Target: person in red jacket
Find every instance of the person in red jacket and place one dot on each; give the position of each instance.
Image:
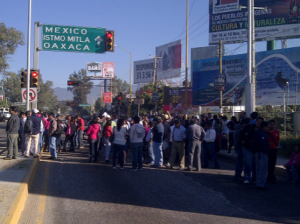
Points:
(273, 140)
(107, 133)
(92, 132)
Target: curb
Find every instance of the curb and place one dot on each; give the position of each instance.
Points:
(18, 204)
(279, 171)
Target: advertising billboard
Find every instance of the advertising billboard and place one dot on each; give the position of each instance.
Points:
(94, 68)
(174, 100)
(229, 24)
(143, 71)
(108, 70)
(277, 74)
(169, 63)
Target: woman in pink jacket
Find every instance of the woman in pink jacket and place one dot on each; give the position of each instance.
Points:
(293, 165)
(92, 132)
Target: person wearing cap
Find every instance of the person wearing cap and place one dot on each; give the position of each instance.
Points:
(37, 128)
(178, 138)
(158, 134)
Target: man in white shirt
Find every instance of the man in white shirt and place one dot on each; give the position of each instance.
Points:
(178, 137)
(209, 148)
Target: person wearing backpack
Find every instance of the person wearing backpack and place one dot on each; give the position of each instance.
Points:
(33, 128)
(52, 138)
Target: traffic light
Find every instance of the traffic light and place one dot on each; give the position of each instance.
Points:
(73, 83)
(110, 41)
(24, 79)
(34, 79)
(119, 99)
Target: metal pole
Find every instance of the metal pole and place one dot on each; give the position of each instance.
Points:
(253, 59)
(284, 114)
(220, 71)
(129, 108)
(28, 55)
(155, 81)
(297, 90)
(288, 96)
(138, 110)
(36, 45)
(249, 84)
(105, 107)
(186, 56)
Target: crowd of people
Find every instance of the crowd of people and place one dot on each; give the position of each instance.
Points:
(161, 141)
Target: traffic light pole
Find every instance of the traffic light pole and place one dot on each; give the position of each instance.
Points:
(28, 55)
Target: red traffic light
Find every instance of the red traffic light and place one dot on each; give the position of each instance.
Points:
(73, 83)
(70, 83)
(109, 35)
(119, 98)
(34, 74)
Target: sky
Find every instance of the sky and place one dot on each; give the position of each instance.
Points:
(140, 26)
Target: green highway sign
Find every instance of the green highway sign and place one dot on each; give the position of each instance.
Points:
(84, 105)
(74, 39)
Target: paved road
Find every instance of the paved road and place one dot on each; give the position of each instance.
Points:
(71, 190)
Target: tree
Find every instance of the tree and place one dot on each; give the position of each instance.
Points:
(147, 96)
(122, 86)
(81, 91)
(10, 39)
(46, 97)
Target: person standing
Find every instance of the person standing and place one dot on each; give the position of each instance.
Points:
(52, 138)
(92, 132)
(22, 145)
(209, 149)
(178, 139)
(12, 129)
(166, 124)
(230, 126)
(238, 147)
(108, 131)
(261, 156)
(158, 133)
(195, 135)
(37, 128)
(70, 133)
(225, 132)
(149, 140)
(80, 129)
(273, 140)
(118, 144)
(137, 134)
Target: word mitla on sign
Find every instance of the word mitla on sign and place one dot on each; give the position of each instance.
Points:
(75, 39)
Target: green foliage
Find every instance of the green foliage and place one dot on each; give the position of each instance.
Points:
(81, 91)
(122, 86)
(46, 97)
(99, 104)
(287, 144)
(10, 39)
(148, 104)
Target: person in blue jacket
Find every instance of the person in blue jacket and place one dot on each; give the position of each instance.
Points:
(261, 155)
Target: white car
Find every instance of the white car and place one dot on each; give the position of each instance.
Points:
(6, 115)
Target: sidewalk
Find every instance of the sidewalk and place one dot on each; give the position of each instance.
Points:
(12, 178)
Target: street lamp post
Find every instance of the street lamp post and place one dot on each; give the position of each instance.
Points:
(130, 87)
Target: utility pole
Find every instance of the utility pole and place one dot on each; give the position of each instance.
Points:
(155, 78)
(186, 57)
(220, 71)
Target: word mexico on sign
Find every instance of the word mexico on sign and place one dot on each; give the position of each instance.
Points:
(74, 39)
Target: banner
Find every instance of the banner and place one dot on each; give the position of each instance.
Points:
(143, 71)
(169, 65)
(174, 100)
(108, 70)
(229, 24)
(277, 74)
(107, 97)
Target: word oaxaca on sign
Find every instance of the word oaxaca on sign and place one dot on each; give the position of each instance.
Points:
(75, 39)
(229, 24)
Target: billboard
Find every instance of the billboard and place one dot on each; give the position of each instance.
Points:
(108, 70)
(174, 100)
(169, 63)
(94, 68)
(107, 97)
(143, 71)
(277, 73)
(229, 24)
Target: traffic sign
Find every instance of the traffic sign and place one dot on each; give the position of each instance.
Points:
(84, 105)
(133, 96)
(139, 101)
(32, 95)
(74, 39)
(155, 97)
(107, 97)
(1, 90)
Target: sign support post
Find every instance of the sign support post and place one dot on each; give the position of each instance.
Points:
(221, 71)
(28, 54)
(36, 53)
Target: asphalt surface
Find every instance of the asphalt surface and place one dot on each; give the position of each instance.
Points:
(72, 190)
